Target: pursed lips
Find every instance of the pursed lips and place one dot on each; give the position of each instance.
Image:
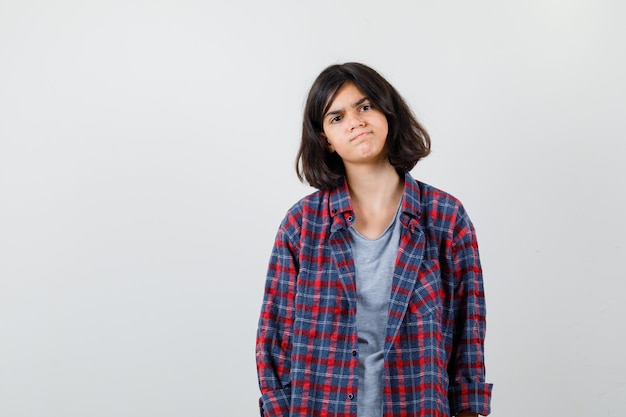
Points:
(359, 136)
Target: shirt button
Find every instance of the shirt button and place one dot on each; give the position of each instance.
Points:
(350, 396)
(349, 218)
(354, 353)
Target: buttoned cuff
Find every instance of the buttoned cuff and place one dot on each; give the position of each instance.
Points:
(275, 403)
(474, 397)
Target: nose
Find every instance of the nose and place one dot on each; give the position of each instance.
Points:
(356, 121)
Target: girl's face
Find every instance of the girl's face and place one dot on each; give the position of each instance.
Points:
(355, 129)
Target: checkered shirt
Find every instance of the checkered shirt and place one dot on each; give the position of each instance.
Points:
(307, 348)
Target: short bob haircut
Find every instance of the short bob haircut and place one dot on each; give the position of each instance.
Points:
(407, 140)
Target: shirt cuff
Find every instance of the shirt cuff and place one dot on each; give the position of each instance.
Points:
(275, 403)
(474, 397)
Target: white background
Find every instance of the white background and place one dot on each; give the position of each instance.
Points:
(146, 159)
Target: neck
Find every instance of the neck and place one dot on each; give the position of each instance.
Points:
(374, 187)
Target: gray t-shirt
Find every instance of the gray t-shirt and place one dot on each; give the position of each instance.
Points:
(374, 260)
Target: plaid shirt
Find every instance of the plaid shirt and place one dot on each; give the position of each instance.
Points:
(307, 348)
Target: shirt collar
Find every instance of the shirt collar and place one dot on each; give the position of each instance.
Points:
(340, 201)
(411, 196)
(340, 198)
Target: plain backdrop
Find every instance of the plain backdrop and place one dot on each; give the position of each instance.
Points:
(146, 160)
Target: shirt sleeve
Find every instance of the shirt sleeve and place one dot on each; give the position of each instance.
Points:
(274, 344)
(468, 391)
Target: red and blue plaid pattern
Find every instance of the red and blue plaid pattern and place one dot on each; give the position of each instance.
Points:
(307, 349)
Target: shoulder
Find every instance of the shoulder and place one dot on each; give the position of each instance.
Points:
(438, 209)
(311, 207)
(313, 201)
(432, 201)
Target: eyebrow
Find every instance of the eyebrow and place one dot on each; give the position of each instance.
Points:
(339, 111)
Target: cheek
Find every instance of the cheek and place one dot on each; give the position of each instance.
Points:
(385, 127)
(327, 141)
(384, 122)
(328, 134)
(381, 122)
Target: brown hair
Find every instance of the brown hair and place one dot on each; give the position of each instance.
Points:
(407, 140)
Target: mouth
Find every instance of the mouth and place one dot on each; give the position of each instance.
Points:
(359, 136)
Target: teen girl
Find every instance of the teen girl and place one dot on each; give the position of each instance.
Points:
(374, 303)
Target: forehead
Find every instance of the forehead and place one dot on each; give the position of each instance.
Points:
(345, 95)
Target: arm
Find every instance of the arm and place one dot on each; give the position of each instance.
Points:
(468, 392)
(273, 345)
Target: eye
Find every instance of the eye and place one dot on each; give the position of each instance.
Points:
(335, 119)
(365, 107)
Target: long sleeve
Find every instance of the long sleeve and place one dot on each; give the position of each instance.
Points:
(273, 345)
(468, 390)
(307, 343)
